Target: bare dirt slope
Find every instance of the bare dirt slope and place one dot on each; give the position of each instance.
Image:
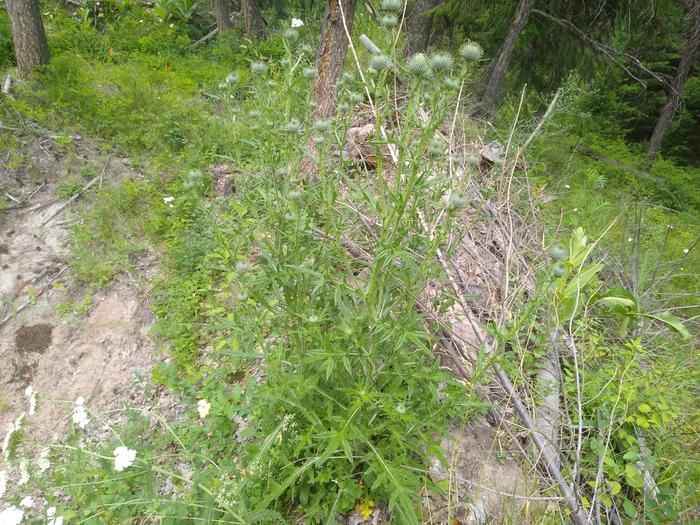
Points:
(104, 355)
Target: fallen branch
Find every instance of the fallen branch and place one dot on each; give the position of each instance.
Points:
(588, 152)
(78, 194)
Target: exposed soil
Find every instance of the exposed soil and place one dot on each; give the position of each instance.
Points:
(34, 338)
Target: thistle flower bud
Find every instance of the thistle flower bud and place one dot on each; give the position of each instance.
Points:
(253, 113)
(455, 202)
(322, 125)
(356, 98)
(471, 51)
(379, 62)
(558, 270)
(348, 77)
(441, 61)
(232, 78)
(473, 160)
(223, 85)
(419, 66)
(258, 68)
(558, 253)
(307, 49)
(291, 34)
(389, 20)
(286, 62)
(310, 73)
(436, 147)
(318, 139)
(293, 126)
(451, 82)
(392, 5)
(343, 107)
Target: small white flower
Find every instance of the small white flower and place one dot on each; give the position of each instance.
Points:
(80, 416)
(27, 502)
(203, 407)
(42, 462)
(629, 239)
(575, 209)
(401, 408)
(28, 391)
(23, 472)
(50, 513)
(297, 23)
(567, 186)
(123, 458)
(168, 200)
(3, 482)
(685, 250)
(11, 516)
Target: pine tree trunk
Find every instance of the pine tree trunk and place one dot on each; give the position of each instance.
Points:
(418, 27)
(222, 11)
(692, 49)
(254, 25)
(331, 54)
(499, 65)
(31, 48)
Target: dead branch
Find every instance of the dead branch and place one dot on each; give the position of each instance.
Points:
(612, 55)
(588, 152)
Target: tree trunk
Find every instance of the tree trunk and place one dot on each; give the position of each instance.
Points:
(254, 25)
(31, 48)
(675, 96)
(331, 54)
(222, 11)
(418, 27)
(499, 65)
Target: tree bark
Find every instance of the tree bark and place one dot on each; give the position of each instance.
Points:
(31, 48)
(331, 54)
(418, 27)
(254, 25)
(222, 11)
(675, 95)
(499, 65)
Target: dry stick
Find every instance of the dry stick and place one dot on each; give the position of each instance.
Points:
(82, 190)
(548, 451)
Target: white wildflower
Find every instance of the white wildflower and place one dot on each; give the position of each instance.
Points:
(168, 200)
(23, 472)
(50, 513)
(567, 186)
(685, 250)
(123, 458)
(80, 416)
(11, 516)
(27, 502)
(42, 462)
(629, 239)
(3, 482)
(401, 408)
(297, 23)
(203, 407)
(29, 392)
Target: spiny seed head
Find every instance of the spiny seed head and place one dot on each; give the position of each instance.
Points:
(243, 267)
(343, 107)
(348, 77)
(310, 73)
(451, 82)
(392, 5)
(223, 85)
(389, 20)
(436, 147)
(322, 125)
(441, 61)
(307, 49)
(293, 126)
(254, 113)
(232, 78)
(419, 65)
(281, 172)
(558, 253)
(379, 62)
(559, 270)
(455, 202)
(471, 51)
(291, 34)
(473, 160)
(258, 68)
(356, 98)
(318, 139)
(286, 62)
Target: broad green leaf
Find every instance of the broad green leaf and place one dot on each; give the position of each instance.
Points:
(629, 507)
(581, 279)
(672, 322)
(644, 408)
(616, 301)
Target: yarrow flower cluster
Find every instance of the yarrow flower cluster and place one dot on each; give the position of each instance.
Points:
(53, 519)
(203, 408)
(123, 458)
(297, 23)
(12, 515)
(80, 416)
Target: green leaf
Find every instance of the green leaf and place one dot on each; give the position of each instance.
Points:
(581, 279)
(615, 488)
(616, 301)
(672, 322)
(644, 408)
(629, 508)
